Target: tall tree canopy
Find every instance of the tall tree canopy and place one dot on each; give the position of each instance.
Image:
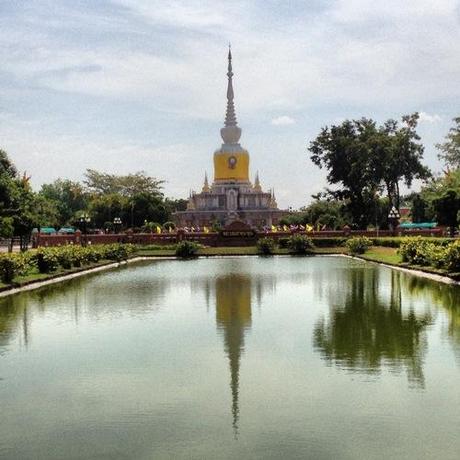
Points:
(450, 149)
(68, 197)
(362, 159)
(129, 185)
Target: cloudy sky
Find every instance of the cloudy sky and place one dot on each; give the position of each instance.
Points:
(129, 85)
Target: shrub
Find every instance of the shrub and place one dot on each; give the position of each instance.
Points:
(186, 249)
(437, 255)
(46, 259)
(300, 244)
(358, 244)
(65, 257)
(266, 246)
(118, 251)
(283, 242)
(11, 265)
(414, 250)
(452, 257)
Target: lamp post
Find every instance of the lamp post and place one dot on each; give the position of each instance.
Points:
(84, 221)
(393, 218)
(117, 224)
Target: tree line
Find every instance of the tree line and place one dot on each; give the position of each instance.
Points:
(366, 165)
(137, 200)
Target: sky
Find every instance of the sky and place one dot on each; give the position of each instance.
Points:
(128, 85)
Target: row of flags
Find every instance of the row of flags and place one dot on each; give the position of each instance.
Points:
(285, 228)
(280, 228)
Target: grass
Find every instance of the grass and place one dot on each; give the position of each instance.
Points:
(383, 254)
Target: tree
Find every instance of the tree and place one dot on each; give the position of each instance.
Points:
(447, 208)
(450, 149)
(148, 207)
(100, 183)
(397, 155)
(343, 150)
(68, 198)
(362, 158)
(419, 209)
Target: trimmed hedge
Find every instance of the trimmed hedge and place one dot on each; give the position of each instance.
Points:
(395, 242)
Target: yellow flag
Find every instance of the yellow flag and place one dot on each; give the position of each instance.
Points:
(158, 229)
(308, 228)
(274, 229)
(285, 228)
(206, 229)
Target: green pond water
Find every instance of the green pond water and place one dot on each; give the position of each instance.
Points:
(308, 357)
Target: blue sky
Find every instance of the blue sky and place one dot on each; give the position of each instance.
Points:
(129, 85)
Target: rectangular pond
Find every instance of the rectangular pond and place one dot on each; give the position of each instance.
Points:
(282, 357)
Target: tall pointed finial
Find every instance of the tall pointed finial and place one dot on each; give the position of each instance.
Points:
(230, 133)
(205, 184)
(257, 186)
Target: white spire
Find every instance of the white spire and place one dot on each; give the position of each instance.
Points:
(257, 185)
(230, 133)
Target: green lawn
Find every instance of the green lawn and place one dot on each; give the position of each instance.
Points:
(383, 254)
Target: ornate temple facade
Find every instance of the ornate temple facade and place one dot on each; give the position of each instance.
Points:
(231, 196)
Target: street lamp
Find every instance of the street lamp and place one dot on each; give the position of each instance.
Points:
(117, 224)
(84, 221)
(393, 218)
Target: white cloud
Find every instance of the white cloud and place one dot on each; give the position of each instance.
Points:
(428, 118)
(283, 120)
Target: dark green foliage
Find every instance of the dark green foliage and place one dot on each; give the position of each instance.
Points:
(300, 244)
(283, 243)
(452, 257)
(419, 209)
(361, 158)
(329, 242)
(46, 259)
(266, 246)
(447, 208)
(187, 249)
(11, 265)
(358, 244)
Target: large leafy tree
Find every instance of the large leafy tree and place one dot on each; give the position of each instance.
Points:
(447, 207)
(450, 149)
(67, 196)
(101, 183)
(396, 155)
(362, 159)
(345, 150)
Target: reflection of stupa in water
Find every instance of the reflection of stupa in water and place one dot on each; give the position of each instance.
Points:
(233, 317)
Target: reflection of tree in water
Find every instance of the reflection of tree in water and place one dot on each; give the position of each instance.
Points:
(233, 318)
(14, 317)
(92, 296)
(444, 295)
(366, 331)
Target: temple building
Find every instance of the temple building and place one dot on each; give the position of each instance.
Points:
(231, 196)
